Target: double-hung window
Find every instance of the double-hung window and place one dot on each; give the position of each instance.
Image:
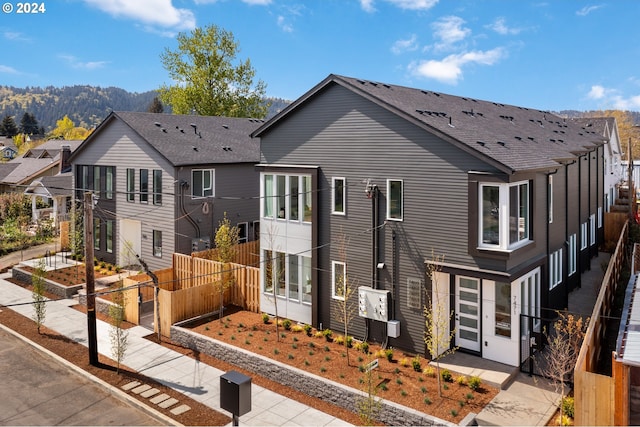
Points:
(144, 185)
(202, 182)
(131, 185)
(572, 255)
(338, 279)
(157, 187)
(338, 192)
(157, 243)
(555, 269)
(505, 215)
(394, 199)
(108, 182)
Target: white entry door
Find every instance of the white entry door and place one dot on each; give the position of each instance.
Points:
(467, 313)
(132, 245)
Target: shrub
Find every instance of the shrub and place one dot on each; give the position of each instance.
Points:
(265, 318)
(339, 340)
(388, 353)
(454, 413)
(415, 362)
(349, 341)
(427, 401)
(287, 324)
(429, 371)
(461, 380)
(568, 406)
(297, 328)
(423, 389)
(319, 334)
(307, 329)
(327, 334)
(445, 374)
(364, 347)
(404, 362)
(474, 383)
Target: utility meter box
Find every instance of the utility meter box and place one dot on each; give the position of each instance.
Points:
(373, 303)
(235, 393)
(393, 328)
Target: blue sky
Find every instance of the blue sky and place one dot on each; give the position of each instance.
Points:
(551, 55)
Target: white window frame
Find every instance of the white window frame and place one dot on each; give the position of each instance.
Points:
(389, 217)
(277, 204)
(555, 269)
(504, 215)
(572, 256)
(592, 229)
(131, 185)
(334, 193)
(334, 265)
(583, 236)
(206, 191)
(109, 182)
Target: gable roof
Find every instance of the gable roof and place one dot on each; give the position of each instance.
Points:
(56, 185)
(190, 140)
(510, 137)
(24, 168)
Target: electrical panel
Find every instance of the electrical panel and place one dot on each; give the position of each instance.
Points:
(373, 303)
(200, 244)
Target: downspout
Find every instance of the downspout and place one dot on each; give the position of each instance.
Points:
(579, 245)
(548, 228)
(566, 221)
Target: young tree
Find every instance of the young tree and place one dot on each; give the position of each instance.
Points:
(345, 287)
(564, 342)
(39, 300)
(370, 404)
(274, 275)
(207, 80)
(67, 130)
(117, 335)
(8, 127)
(155, 106)
(226, 239)
(437, 337)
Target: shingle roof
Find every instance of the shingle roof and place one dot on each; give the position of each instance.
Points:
(194, 140)
(58, 185)
(516, 138)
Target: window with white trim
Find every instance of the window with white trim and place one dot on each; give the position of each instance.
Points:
(157, 243)
(109, 182)
(157, 186)
(573, 254)
(338, 278)
(287, 197)
(131, 185)
(109, 237)
(202, 183)
(395, 200)
(504, 215)
(592, 229)
(243, 229)
(144, 185)
(338, 193)
(583, 236)
(555, 268)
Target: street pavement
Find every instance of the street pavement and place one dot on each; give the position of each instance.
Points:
(38, 389)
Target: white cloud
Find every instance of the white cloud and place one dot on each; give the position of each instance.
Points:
(151, 12)
(587, 10)
(15, 36)
(408, 45)
(500, 27)
(89, 65)
(596, 92)
(8, 70)
(367, 5)
(284, 25)
(249, 2)
(448, 31)
(449, 69)
(414, 4)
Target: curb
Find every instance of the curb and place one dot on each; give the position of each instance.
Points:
(113, 390)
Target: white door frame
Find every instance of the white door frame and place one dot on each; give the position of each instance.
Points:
(467, 312)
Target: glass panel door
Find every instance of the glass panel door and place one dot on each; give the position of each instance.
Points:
(468, 313)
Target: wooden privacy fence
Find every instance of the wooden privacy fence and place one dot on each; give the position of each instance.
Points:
(190, 289)
(594, 393)
(247, 254)
(613, 223)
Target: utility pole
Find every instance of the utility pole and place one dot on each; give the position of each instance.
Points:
(90, 279)
(630, 181)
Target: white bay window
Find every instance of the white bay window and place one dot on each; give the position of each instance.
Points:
(505, 215)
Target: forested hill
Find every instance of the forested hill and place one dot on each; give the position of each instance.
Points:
(87, 106)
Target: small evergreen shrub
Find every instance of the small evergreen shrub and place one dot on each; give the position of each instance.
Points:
(415, 362)
(474, 383)
(287, 324)
(445, 374)
(266, 318)
(568, 408)
(388, 353)
(307, 329)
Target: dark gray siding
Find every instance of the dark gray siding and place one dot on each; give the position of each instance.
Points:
(237, 190)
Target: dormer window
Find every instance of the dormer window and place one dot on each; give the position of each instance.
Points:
(504, 215)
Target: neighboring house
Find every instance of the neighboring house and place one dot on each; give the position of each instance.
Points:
(8, 150)
(43, 160)
(56, 191)
(508, 199)
(614, 171)
(164, 182)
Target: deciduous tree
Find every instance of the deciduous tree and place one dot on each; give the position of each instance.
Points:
(207, 78)
(226, 239)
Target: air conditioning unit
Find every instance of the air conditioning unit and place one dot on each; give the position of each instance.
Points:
(373, 303)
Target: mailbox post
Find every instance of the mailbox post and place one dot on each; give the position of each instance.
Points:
(235, 394)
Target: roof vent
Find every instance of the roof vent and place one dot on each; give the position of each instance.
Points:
(450, 124)
(158, 124)
(225, 126)
(194, 148)
(519, 138)
(164, 130)
(501, 143)
(481, 143)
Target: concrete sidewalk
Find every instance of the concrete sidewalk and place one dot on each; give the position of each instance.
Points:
(197, 380)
